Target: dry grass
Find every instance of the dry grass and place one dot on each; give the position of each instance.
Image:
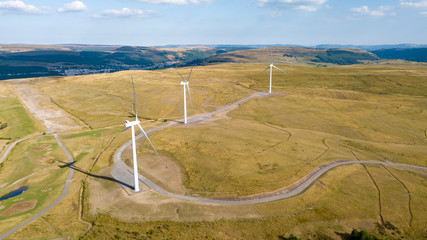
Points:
(365, 112)
(106, 100)
(269, 143)
(343, 199)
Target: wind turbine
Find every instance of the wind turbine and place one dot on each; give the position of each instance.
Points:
(131, 125)
(184, 84)
(271, 66)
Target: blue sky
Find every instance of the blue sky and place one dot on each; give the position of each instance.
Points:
(161, 22)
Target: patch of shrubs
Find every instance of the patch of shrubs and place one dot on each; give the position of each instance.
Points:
(291, 237)
(361, 235)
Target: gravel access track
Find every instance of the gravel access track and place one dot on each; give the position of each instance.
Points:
(124, 173)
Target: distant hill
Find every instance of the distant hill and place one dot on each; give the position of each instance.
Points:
(61, 47)
(321, 46)
(373, 47)
(408, 54)
(50, 61)
(24, 60)
(294, 54)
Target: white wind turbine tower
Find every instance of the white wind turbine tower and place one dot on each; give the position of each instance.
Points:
(271, 66)
(185, 84)
(131, 125)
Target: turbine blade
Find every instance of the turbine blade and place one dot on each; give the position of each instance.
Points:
(146, 136)
(133, 109)
(265, 70)
(188, 89)
(181, 76)
(188, 79)
(125, 129)
(278, 69)
(271, 56)
(134, 98)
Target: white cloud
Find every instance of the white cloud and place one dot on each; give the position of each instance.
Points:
(365, 10)
(124, 13)
(307, 8)
(423, 13)
(304, 5)
(377, 13)
(76, 6)
(417, 4)
(19, 7)
(176, 2)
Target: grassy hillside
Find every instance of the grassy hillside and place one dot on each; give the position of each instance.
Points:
(411, 54)
(295, 54)
(76, 60)
(315, 115)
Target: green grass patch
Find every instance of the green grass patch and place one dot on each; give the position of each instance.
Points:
(30, 156)
(19, 123)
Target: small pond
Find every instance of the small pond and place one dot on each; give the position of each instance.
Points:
(14, 193)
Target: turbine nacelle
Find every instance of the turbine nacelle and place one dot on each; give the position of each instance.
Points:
(183, 83)
(130, 124)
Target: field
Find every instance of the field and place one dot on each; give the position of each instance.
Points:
(263, 148)
(315, 115)
(343, 199)
(19, 122)
(39, 161)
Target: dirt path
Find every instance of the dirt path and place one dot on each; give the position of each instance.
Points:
(281, 129)
(53, 118)
(379, 193)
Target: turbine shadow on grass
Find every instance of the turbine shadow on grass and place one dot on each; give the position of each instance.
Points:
(71, 165)
(343, 236)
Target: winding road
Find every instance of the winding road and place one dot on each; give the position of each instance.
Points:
(11, 146)
(124, 173)
(64, 191)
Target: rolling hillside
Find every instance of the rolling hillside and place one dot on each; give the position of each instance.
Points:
(295, 54)
(23, 61)
(34, 62)
(408, 54)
